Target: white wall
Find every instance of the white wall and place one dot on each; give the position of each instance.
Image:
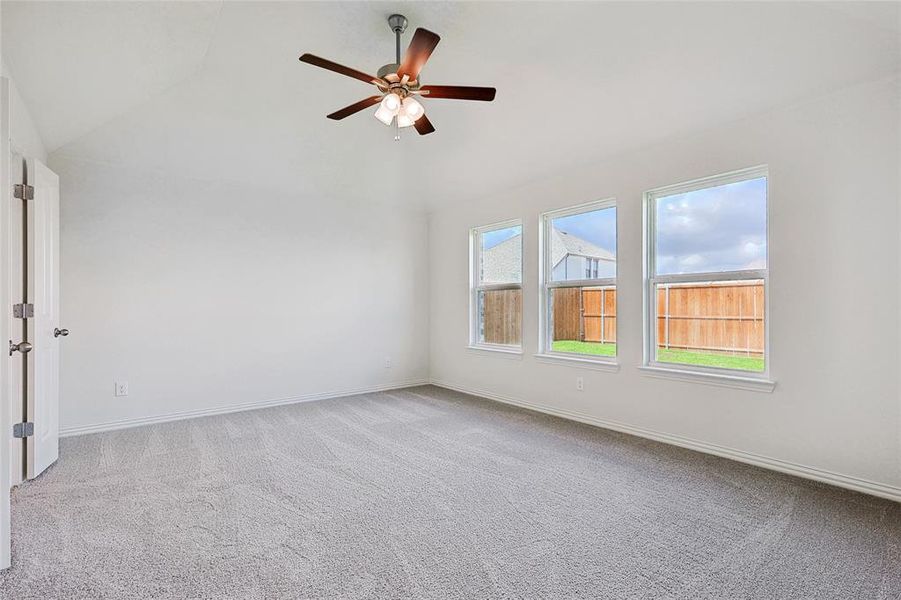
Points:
(208, 295)
(23, 133)
(834, 252)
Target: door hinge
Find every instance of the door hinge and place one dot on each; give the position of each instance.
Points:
(23, 191)
(23, 311)
(23, 430)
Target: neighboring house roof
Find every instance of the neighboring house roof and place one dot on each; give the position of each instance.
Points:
(503, 263)
(563, 243)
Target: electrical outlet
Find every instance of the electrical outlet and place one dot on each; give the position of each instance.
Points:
(121, 388)
(388, 362)
(580, 384)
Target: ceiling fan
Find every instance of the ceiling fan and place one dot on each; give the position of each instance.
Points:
(399, 83)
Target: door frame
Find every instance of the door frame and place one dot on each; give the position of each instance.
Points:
(5, 399)
(14, 238)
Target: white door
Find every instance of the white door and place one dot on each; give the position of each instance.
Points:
(43, 291)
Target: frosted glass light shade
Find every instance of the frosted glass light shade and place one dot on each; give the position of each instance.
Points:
(391, 102)
(384, 115)
(412, 108)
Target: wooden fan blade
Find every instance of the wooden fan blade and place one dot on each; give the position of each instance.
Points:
(333, 66)
(423, 125)
(418, 52)
(458, 92)
(355, 108)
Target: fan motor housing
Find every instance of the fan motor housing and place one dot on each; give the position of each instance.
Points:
(395, 84)
(389, 69)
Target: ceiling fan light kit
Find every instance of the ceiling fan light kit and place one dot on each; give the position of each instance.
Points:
(398, 83)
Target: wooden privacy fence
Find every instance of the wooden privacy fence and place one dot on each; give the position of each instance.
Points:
(704, 317)
(585, 314)
(501, 316)
(712, 317)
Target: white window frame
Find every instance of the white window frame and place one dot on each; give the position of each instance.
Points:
(475, 285)
(546, 284)
(651, 280)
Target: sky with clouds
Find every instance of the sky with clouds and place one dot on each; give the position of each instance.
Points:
(716, 229)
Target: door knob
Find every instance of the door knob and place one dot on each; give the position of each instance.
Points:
(23, 347)
(60, 332)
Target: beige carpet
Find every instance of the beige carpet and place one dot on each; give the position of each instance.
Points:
(427, 493)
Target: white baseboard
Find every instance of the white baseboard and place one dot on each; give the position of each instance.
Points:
(845, 481)
(221, 410)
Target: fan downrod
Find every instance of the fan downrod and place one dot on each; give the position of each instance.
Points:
(398, 24)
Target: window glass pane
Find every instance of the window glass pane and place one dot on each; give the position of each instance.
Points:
(583, 320)
(500, 317)
(721, 228)
(500, 255)
(583, 246)
(714, 324)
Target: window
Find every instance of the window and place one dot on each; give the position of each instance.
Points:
(706, 278)
(496, 286)
(579, 281)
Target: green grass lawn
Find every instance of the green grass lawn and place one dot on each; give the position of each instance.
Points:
(723, 361)
(585, 347)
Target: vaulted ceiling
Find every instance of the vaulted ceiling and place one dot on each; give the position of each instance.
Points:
(214, 90)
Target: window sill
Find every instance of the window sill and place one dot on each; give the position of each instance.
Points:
(581, 363)
(499, 351)
(722, 380)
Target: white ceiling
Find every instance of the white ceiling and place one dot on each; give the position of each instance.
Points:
(79, 64)
(215, 91)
